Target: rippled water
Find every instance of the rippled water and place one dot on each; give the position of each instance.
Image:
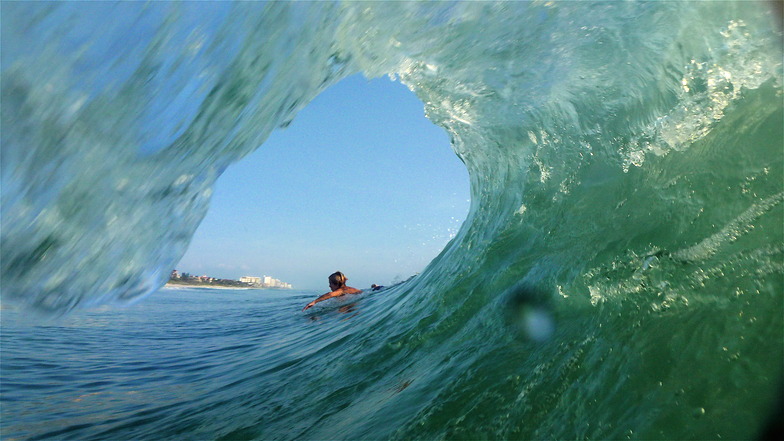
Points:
(181, 365)
(620, 273)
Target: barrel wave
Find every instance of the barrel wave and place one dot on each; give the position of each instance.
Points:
(621, 270)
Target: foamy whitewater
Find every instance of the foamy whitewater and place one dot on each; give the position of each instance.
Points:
(620, 273)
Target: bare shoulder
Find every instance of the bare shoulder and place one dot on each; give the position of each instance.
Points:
(350, 290)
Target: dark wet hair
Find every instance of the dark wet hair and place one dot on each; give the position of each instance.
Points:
(338, 278)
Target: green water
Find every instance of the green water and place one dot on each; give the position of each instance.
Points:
(620, 273)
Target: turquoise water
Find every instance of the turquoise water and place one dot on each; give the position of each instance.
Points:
(248, 364)
(620, 273)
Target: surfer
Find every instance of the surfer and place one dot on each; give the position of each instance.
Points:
(337, 283)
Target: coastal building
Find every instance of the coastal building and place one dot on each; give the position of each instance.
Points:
(251, 280)
(265, 282)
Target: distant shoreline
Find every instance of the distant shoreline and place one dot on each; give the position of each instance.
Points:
(204, 285)
(214, 286)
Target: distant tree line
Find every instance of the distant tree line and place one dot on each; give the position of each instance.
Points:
(189, 279)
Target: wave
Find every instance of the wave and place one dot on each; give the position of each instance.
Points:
(626, 184)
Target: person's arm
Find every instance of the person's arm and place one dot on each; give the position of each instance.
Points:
(323, 297)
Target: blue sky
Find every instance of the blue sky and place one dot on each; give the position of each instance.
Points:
(360, 182)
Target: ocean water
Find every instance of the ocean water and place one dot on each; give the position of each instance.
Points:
(188, 363)
(620, 273)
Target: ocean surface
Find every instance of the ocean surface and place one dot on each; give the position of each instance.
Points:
(187, 363)
(620, 274)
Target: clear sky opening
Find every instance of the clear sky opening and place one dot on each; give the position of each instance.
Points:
(360, 182)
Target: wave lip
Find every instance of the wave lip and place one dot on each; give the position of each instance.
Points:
(109, 157)
(625, 162)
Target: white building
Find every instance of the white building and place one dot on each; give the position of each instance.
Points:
(251, 280)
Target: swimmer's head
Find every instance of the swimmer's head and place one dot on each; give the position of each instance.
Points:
(337, 279)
